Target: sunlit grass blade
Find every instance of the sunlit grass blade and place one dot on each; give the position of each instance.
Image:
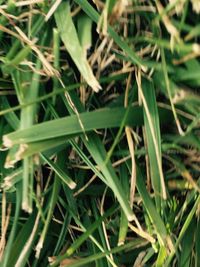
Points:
(70, 125)
(152, 130)
(27, 119)
(70, 39)
(60, 173)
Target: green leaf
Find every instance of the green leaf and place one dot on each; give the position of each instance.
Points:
(152, 129)
(70, 39)
(98, 119)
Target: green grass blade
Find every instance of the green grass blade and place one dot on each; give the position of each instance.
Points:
(70, 125)
(70, 39)
(85, 32)
(158, 223)
(60, 173)
(152, 129)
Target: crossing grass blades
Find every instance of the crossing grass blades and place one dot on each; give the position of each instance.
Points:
(100, 133)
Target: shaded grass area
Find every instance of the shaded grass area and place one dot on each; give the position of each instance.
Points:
(99, 126)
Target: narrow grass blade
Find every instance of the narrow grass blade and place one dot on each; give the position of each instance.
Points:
(52, 202)
(152, 129)
(13, 63)
(70, 125)
(123, 227)
(187, 245)
(167, 82)
(97, 150)
(70, 39)
(60, 173)
(154, 216)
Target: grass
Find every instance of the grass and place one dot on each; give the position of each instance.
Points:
(100, 137)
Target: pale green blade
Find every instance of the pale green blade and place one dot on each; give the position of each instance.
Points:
(70, 39)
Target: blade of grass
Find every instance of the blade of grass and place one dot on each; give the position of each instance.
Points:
(152, 128)
(187, 245)
(98, 152)
(167, 82)
(70, 125)
(85, 32)
(197, 240)
(70, 39)
(27, 119)
(60, 173)
(154, 216)
(123, 227)
(53, 199)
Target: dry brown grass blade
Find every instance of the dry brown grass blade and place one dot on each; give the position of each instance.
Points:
(172, 30)
(131, 147)
(20, 35)
(24, 3)
(4, 224)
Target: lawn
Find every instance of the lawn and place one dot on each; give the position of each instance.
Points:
(100, 133)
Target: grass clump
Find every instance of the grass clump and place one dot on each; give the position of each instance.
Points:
(99, 125)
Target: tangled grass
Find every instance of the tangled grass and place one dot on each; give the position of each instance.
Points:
(99, 126)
